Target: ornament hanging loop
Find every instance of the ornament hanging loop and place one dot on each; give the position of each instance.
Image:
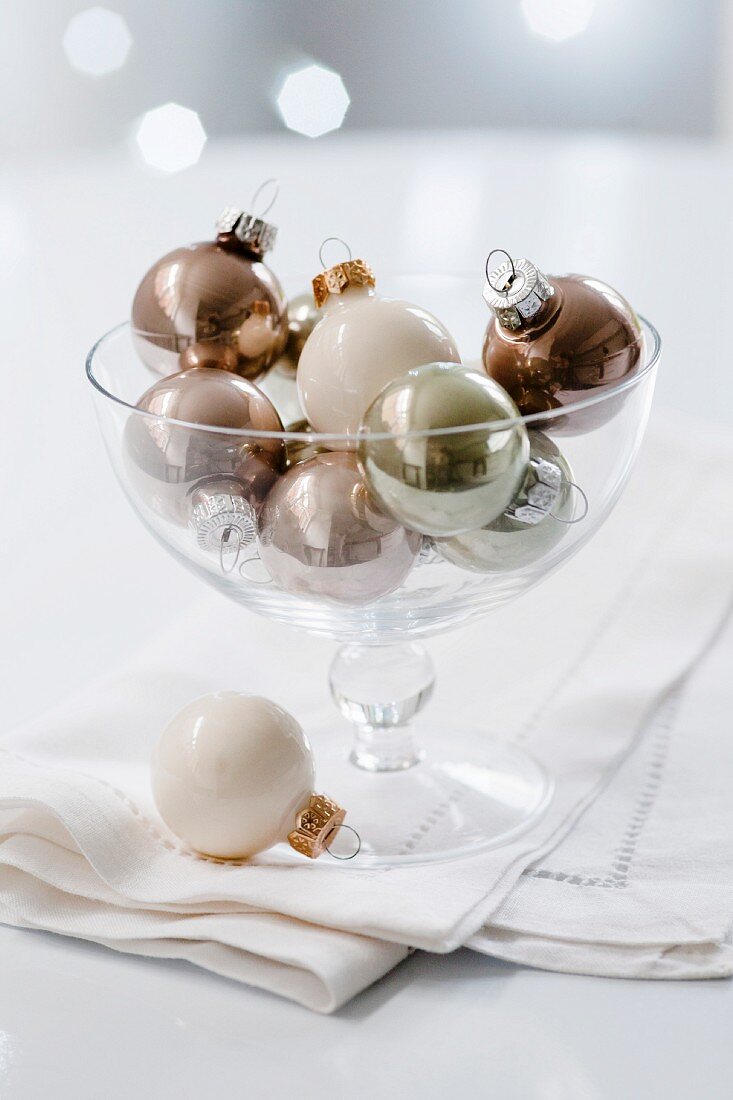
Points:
(504, 252)
(275, 184)
(236, 546)
(337, 829)
(340, 240)
(584, 499)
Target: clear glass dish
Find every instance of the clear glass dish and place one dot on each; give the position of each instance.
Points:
(476, 793)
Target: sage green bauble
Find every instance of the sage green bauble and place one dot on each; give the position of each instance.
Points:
(433, 481)
(542, 511)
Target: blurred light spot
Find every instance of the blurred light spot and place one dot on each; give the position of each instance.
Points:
(558, 19)
(97, 41)
(171, 137)
(313, 101)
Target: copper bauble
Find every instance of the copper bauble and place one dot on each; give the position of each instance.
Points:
(322, 536)
(169, 461)
(554, 341)
(216, 295)
(212, 354)
(534, 523)
(435, 481)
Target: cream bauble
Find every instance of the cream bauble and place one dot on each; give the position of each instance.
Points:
(361, 343)
(231, 773)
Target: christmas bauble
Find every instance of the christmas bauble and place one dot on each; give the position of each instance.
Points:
(214, 303)
(443, 482)
(360, 344)
(171, 464)
(218, 356)
(321, 535)
(231, 773)
(300, 450)
(553, 342)
(530, 527)
(303, 316)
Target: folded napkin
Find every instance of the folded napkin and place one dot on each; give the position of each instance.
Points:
(572, 670)
(643, 885)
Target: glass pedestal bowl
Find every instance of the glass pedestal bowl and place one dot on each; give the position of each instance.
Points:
(469, 792)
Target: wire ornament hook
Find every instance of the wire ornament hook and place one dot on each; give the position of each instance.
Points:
(488, 277)
(335, 830)
(323, 245)
(583, 497)
(224, 545)
(275, 183)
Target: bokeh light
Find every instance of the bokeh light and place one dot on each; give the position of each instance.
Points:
(558, 19)
(170, 137)
(313, 101)
(97, 41)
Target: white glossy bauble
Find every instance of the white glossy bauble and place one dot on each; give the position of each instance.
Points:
(230, 773)
(362, 343)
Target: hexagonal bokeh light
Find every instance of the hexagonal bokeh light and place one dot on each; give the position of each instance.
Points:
(170, 137)
(97, 41)
(313, 101)
(558, 19)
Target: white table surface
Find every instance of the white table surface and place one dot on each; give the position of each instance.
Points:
(83, 584)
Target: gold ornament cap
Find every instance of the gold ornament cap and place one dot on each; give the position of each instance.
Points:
(334, 280)
(314, 824)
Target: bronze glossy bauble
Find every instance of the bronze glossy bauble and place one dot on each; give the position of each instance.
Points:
(300, 450)
(303, 316)
(168, 461)
(213, 303)
(424, 472)
(322, 536)
(534, 523)
(554, 341)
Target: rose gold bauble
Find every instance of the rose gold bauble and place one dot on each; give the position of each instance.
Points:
(218, 296)
(322, 536)
(557, 340)
(168, 461)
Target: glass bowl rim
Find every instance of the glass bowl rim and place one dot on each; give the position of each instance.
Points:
(537, 419)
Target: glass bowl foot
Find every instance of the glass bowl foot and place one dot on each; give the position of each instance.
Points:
(467, 795)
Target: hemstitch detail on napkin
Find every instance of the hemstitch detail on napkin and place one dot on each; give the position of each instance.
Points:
(618, 877)
(662, 720)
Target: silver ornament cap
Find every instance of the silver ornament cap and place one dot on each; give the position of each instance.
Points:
(516, 291)
(254, 233)
(540, 491)
(220, 515)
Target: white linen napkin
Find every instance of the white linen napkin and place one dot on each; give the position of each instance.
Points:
(642, 887)
(83, 852)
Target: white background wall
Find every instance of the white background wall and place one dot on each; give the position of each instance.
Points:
(641, 65)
